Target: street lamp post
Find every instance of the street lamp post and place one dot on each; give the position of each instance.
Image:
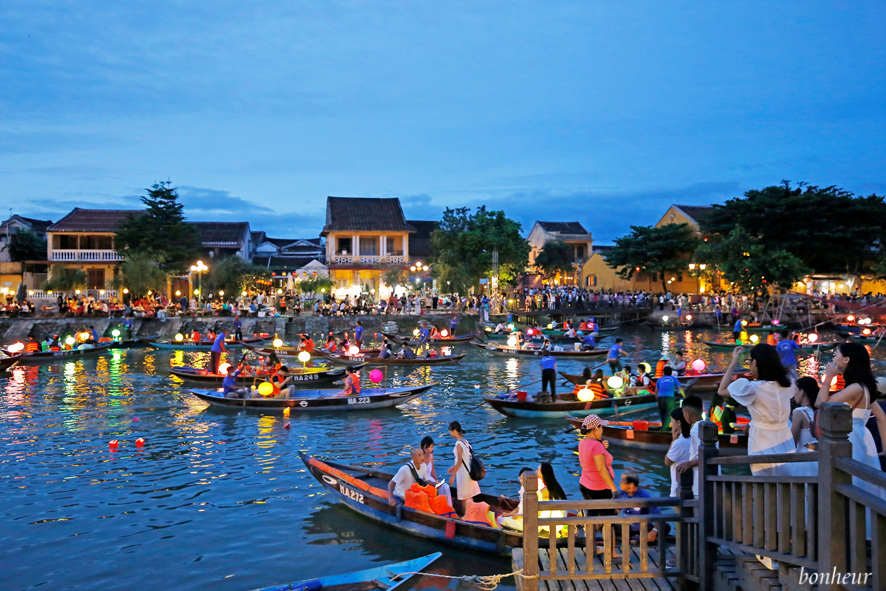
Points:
(199, 268)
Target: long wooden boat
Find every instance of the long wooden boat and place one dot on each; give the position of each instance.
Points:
(419, 360)
(39, 356)
(365, 491)
(567, 405)
(865, 339)
(300, 376)
(559, 332)
(321, 400)
(514, 351)
(659, 440)
(380, 578)
(136, 343)
(8, 362)
(822, 346)
(703, 382)
(199, 346)
(292, 352)
(411, 340)
(496, 336)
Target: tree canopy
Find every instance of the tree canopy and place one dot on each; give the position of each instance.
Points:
(26, 245)
(232, 275)
(462, 245)
(141, 272)
(64, 278)
(555, 257)
(162, 230)
(653, 250)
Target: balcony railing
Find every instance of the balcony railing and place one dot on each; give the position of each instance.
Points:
(368, 260)
(86, 255)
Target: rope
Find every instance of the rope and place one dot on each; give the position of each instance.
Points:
(484, 582)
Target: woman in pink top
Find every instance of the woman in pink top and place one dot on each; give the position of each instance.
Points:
(597, 477)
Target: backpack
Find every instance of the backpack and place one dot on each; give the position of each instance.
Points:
(476, 470)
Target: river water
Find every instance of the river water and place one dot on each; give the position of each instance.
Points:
(220, 497)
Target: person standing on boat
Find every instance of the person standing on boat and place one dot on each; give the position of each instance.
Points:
(358, 334)
(459, 475)
(549, 374)
(666, 388)
(736, 330)
(788, 349)
(218, 347)
(238, 328)
(616, 352)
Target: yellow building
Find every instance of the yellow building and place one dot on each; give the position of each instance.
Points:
(365, 238)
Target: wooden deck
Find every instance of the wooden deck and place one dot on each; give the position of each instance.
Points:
(614, 581)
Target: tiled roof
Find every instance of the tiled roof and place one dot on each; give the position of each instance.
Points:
(368, 214)
(38, 226)
(282, 263)
(563, 227)
(93, 220)
(420, 241)
(696, 212)
(222, 233)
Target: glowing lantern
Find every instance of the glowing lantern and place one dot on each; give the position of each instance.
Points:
(615, 382)
(689, 317)
(665, 318)
(115, 333)
(866, 331)
(698, 365)
(812, 337)
(112, 444)
(550, 326)
(265, 389)
(850, 318)
(415, 332)
(744, 322)
(179, 337)
(84, 336)
(530, 332)
(511, 326)
(223, 368)
(140, 442)
(375, 376)
(754, 338)
(278, 342)
(304, 356)
(286, 412)
(444, 333)
(585, 395)
(70, 341)
(354, 351)
(512, 341)
(16, 348)
(776, 322)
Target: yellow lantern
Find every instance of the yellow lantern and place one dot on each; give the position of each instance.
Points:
(265, 389)
(179, 337)
(416, 332)
(278, 342)
(585, 395)
(223, 368)
(304, 356)
(754, 338)
(550, 325)
(70, 341)
(744, 322)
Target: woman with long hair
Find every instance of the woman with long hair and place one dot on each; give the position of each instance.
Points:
(459, 473)
(767, 397)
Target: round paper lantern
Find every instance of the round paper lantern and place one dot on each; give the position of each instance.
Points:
(376, 376)
(265, 389)
(615, 382)
(744, 322)
(850, 318)
(550, 325)
(278, 343)
(223, 368)
(304, 356)
(511, 326)
(512, 341)
(354, 351)
(530, 332)
(585, 395)
(688, 317)
(70, 341)
(444, 333)
(754, 338)
(115, 333)
(812, 337)
(665, 318)
(698, 365)
(776, 322)
(866, 331)
(16, 347)
(416, 332)
(179, 337)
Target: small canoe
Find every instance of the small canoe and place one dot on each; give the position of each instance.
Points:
(865, 339)
(198, 346)
(494, 336)
(655, 439)
(514, 351)
(559, 332)
(703, 382)
(822, 346)
(321, 400)
(413, 341)
(8, 362)
(39, 356)
(568, 406)
(365, 491)
(420, 360)
(380, 578)
(301, 377)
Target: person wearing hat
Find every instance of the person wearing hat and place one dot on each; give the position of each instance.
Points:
(597, 476)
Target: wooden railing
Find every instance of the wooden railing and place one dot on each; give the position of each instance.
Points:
(580, 532)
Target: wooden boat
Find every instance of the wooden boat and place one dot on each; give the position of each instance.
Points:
(702, 382)
(865, 339)
(559, 332)
(292, 352)
(8, 362)
(321, 400)
(38, 356)
(514, 351)
(494, 336)
(198, 346)
(567, 405)
(365, 491)
(655, 439)
(822, 346)
(380, 578)
(419, 360)
(411, 340)
(133, 343)
(301, 376)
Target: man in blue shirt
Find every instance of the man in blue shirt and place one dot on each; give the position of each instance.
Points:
(787, 350)
(588, 343)
(616, 352)
(229, 389)
(453, 322)
(238, 328)
(549, 374)
(736, 330)
(358, 334)
(630, 489)
(666, 388)
(218, 347)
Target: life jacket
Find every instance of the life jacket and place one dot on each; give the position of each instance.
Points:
(309, 345)
(716, 414)
(330, 346)
(583, 326)
(477, 513)
(659, 368)
(353, 388)
(598, 390)
(195, 336)
(32, 346)
(277, 380)
(839, 384)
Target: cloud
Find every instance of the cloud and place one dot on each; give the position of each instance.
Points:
(200, 201)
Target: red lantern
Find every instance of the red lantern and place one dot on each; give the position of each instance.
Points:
(140, 442)
(112, 444)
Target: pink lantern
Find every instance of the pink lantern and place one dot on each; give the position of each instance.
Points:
(529, 332)
(698, 365)
(776, 322)
(376, 376)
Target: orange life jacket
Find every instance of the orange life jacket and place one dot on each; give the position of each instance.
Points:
(659, 368)
(277, 381)
(477, 513)
(352, 384)
(195, 336)
(598, 390)
(32, 346)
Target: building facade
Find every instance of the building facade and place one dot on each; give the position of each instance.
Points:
(571, 233)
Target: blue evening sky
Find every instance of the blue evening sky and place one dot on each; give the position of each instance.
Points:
(604, 112)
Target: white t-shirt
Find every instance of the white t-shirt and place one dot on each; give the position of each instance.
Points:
(404, 479)
(694, 444)
(679, 454)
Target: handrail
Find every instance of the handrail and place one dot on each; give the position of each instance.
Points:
(765, 459)
(862, 471)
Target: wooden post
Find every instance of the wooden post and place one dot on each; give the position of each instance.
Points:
(530, 531)
(707, 552)
(686, 552)
(835, 419)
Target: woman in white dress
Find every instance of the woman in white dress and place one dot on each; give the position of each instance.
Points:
(459, 477)
(768, 398)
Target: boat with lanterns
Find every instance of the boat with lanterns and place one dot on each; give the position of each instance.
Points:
(807, 346)
(183, 344)
(580, 404)
(441, 340)
(516, 351)
(393, 360)
(318, 400)
(7, 362)
(82, 350)
(299, 376)
(649, 435)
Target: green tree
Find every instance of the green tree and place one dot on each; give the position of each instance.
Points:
(233, 275)
(313, 285)
(828, 229)
(463, 243)
(753, 267)
(64, 278)
(26, 245)
(653, 250)
(394, 277)
(555, 257)
(162, 230)
(141, 272)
